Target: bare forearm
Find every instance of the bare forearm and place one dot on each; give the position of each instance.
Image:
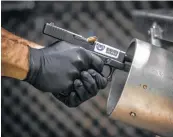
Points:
(15, 54)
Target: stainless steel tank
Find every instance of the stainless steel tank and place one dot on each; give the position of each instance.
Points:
(144, 97)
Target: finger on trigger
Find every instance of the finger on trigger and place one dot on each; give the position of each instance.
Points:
(100, 80)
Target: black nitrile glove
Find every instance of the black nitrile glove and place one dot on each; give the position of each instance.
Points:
(70, 73)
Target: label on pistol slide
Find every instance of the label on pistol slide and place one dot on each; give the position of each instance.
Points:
(106, 50)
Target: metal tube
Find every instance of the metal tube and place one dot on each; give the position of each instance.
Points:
(145, 100)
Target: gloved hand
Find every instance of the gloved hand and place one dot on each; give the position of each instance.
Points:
(70, 73)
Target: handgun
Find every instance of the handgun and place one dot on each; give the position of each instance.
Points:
(112, 57)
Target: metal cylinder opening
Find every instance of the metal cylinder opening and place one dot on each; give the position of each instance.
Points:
(143, 97)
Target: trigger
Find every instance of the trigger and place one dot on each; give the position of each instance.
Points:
(109, 78)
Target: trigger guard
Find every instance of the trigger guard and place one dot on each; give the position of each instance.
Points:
(109, 78)
(108, 75)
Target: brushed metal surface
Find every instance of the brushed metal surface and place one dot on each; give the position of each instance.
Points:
(146, 100)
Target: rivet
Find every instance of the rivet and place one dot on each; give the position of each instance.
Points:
(144, 86)
(132, 114)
